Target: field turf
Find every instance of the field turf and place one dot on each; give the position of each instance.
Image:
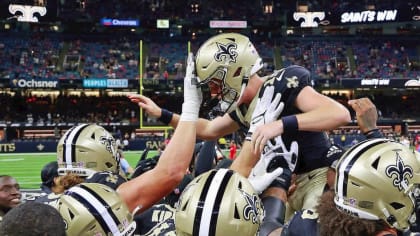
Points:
(26, 167)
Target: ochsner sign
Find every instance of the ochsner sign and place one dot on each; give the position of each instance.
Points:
(34, 83)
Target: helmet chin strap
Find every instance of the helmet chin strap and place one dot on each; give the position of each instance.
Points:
(245, 81)
(244, 84)
(415, 218)
(227, 107)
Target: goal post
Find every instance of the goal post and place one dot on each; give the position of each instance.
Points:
(142, 61)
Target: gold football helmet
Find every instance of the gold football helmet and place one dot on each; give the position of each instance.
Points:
(226, 61)
(95, 209)
(378, 179)
(218, 202)
(86, 149)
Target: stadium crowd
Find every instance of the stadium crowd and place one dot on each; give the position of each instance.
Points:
(60, 57)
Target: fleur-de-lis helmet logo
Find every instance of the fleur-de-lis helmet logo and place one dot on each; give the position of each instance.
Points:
(226, 52)
(251, 210)
(400, 172)
(109, 143)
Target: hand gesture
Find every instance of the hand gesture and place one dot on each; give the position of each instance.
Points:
(266, 110)
(276, 164)
(366, 113)
(147, 104)
(287, 158)
(259, 178)
(144, 166)
(192, 94)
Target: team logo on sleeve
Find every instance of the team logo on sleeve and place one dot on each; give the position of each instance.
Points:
(226, 52)
(292, 82)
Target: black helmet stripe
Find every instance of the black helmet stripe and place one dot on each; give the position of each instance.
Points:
(97, 206)
(211, 197)
(69, 144)
(200, 206)
(216, 207)
(347, 161)
(103, 202)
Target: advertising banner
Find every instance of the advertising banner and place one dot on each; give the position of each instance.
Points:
(327, 17)
(105, 83)
(34, 83)
(120, 22)
(379, 82)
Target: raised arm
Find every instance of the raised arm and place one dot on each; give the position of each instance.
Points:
(145, 190)
(206, 129)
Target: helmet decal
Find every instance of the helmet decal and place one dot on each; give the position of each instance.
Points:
(219, 202)
(99, 208)
(95, 209)
(109, 143)
(226, 52)
(70, 143)
(210, 198)
(251, 211)
(344, 167)
(401, 173)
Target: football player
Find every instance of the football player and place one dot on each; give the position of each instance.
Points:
(150, 187)
(85, 153)
(376, 193)
(10, 195)
(33, 218)
(287, 105)
(160, 219)
(50, 185)
(219, 202)
(94, 209)
(49, 175)
(86, 149)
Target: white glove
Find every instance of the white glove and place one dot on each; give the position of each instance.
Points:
(278, 148)
(259, 178)
(266, 110)
(192, 94)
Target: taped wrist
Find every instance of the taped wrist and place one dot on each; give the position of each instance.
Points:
(274, 215)
(373, 133)
(166, 116)
(290, 124)
(190, 111)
